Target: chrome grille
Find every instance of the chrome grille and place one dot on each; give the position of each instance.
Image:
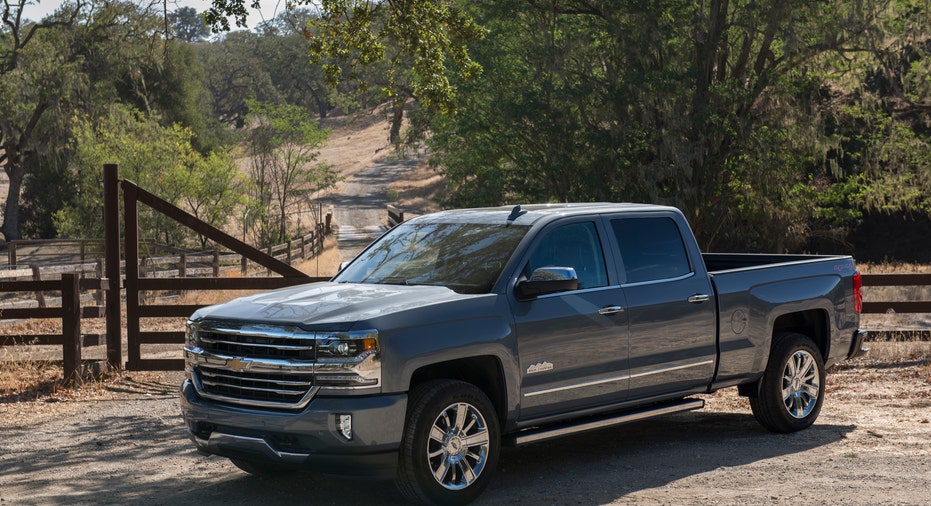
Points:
(253, 365)
(253, 387)
(244, 345)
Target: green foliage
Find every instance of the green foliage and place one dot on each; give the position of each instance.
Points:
(728, 110)
(428, 38)
(160, 159)
(188, 25)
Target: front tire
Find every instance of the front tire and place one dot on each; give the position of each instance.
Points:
(451, 444)
(791, 391)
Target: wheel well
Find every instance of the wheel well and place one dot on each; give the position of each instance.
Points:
(483, 372)
(812, 323)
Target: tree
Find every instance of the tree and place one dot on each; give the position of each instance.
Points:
(281, 49)
(428, 35)
(188, 25)
(157, 158)
(715, 107)
(283, 144)
(37, 74)
(235, 76)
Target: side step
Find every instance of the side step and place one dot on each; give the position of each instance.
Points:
(553, 432)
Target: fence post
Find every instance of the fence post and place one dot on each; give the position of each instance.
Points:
(37, 276)
(290, 247)
(182, 265)
(216, 263)
(131, 246)
(71, 327)
(268, 272)
(244, 265)
(111, 247)
(98, 273)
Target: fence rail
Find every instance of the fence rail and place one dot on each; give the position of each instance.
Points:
(904, 279)
(70, 312)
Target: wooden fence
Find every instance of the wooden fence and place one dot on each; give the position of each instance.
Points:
(70, 312)
(140, 274)
(909, 306)
(395, 216)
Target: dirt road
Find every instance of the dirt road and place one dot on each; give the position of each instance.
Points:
(124, 443)
(359, 205)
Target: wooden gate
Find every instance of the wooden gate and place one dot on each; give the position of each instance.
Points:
(136, 284)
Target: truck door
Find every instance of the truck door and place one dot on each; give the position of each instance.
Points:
(670, 306)
(572, 345)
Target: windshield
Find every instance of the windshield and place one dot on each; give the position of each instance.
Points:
(464, 257)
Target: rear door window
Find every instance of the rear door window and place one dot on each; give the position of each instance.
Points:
(651, 249)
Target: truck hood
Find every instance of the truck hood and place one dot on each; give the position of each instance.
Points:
(328, 303)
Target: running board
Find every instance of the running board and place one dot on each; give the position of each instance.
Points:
(546, 433)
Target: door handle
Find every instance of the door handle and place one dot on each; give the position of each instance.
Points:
(611, 310)
(698, 298)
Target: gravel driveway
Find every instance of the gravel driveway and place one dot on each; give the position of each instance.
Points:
(123, 443)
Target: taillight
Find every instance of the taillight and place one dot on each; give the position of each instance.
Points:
(857, 294)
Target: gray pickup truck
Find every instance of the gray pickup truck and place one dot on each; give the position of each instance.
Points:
(460, 331)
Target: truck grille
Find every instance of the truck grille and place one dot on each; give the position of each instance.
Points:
(253, 365)
(257, 346)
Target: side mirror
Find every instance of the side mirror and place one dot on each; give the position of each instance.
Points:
(546, 280)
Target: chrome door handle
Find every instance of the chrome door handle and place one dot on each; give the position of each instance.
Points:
(611, 310)
(698, 298)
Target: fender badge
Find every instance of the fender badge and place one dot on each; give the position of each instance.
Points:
(540, 367)
(238, 364)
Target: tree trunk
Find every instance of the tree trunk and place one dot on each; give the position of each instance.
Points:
(10, 228)
(394, 135)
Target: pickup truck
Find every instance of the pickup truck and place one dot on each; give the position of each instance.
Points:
(460, 331)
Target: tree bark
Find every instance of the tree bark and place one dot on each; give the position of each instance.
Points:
(10, 228)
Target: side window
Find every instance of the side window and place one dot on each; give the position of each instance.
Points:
(575, 246)
(651, 248)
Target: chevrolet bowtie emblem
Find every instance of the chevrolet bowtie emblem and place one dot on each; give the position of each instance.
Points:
(238, 364)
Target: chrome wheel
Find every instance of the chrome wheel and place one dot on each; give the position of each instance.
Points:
(451, 443)
(458, 447)
(789, 395)
(801, 384)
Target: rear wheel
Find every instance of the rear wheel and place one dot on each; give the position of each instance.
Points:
(791, 391)
(450, 446)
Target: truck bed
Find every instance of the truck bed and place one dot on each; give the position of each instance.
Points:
(717, 262)
(755, 290)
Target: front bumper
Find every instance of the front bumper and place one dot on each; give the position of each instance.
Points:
(308, 439)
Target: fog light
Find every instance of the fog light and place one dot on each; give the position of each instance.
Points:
(344, 424)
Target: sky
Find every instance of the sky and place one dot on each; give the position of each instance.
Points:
(37, 9)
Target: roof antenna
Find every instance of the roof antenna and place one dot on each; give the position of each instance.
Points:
(517, 212)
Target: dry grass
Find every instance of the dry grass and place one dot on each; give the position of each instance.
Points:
(419, 189)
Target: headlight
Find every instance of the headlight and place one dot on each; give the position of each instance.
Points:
(348, 359)
(346, 344)
(190, 334)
